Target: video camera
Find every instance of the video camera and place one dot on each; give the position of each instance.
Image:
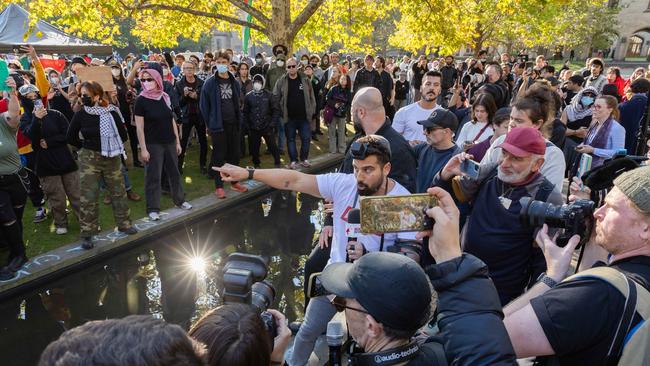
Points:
(244, 282)
(575, 218)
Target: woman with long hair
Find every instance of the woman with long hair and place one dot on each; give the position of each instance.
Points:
(337, 104)
(102, 127)
(605, 135)
(480, 126)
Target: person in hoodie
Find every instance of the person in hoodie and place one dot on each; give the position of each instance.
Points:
(261, 115)
(220, 107)
(260, 66)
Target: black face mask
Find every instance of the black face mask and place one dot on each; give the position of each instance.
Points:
(314, 65)
(87, 101)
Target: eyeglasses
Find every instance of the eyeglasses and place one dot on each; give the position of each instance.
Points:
(143, 80)
(291, 66)
(340, 305)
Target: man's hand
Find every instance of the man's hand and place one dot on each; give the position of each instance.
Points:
(144, 155)
(43, 144)
(558, 259)
(11, 83)
(40, 113)
(578, 190)
(29, 49)
(444, 238)
(179, 149)
(452, 168)
(136, 65)
(231, 173)
(355, 250)
(281, 341)
(325, 234)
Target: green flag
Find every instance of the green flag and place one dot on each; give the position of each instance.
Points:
(246, 31)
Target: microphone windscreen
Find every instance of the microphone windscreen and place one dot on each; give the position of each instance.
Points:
(335, 333)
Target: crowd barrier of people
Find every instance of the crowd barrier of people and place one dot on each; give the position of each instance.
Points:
(493, 141)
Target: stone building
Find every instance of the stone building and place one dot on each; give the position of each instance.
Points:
(634, 29)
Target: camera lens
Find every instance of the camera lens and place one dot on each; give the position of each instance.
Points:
(537, 213)
(262, 295)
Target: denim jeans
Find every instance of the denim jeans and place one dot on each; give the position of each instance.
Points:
(290, 128)
(319, 313)
(281, 137)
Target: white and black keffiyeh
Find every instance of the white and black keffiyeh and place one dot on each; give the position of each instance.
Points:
(110, 138)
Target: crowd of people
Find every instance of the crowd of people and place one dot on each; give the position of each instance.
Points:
(419, 123)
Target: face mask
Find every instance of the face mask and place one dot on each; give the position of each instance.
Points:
(165, 72)
(258, 61)
(304, 62)
(149, 85)
(257, 86)
(221, 69)
(280, 63)
(586, 101)
(116, 72)
(87, 101)
(54, 80)
(314, 65)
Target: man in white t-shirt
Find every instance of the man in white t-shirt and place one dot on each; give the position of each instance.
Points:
(371, 163)
(406, 119)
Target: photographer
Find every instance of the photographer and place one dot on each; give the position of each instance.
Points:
(235, 336)
(372, 165)
(495, 86)
(590, 303)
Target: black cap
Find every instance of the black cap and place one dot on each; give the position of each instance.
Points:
(78, 60)
(441, 118)
(391, 287)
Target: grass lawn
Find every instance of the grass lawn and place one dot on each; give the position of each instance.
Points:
(40, 238)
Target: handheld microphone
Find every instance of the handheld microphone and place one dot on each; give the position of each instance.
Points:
(335, 337)
(353, 226)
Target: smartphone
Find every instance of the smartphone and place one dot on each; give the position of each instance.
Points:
(315, 286)
(38, 104)
(470, 167)
(390, 214)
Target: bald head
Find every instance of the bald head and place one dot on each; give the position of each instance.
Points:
(368, 98)
(368, 110)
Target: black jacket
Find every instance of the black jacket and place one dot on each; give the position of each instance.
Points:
(403, 161)
(184, 101)
(57, 158)
(467, 302)
(449, 76)
(260, 110)
(367, 78)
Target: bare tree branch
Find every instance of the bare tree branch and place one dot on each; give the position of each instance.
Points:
(255, 13)
(305, 14)
(183, 9)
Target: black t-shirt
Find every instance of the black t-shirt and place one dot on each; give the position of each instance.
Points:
(386, 85)
(401, 89)
(228, 114)
(192, 104)
(580, 317)
(296, 99)
(158, 120)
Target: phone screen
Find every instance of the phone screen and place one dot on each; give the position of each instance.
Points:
(386, 214)
(471, 168)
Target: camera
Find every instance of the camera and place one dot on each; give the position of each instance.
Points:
(575, 218)
(473, 78)
(244, 282)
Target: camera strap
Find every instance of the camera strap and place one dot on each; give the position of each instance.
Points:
(389, 357)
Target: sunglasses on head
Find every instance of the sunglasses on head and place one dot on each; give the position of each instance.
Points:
(149, 79)
(340, 305)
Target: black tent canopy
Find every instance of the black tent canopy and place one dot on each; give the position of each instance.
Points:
(14, 24)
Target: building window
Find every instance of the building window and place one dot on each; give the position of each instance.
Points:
(634, 47)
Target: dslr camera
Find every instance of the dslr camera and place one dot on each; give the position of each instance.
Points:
(575, 219)
(244, 282)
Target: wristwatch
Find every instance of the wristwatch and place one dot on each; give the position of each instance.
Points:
(251, 171)
(548, 281)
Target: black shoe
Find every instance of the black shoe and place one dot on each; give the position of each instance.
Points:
(6, 274)
(314, 137)
(17, 263)
(204, 170)
(129, 231)
(87, 242)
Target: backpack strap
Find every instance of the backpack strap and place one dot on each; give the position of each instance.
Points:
(544, 190)
(637, 300)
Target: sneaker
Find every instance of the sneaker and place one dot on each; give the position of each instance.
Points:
(40, 215)
(129, 230)
(185, 206)
(87, 242)
(220, 193)
(61, 230)
(17, 263)
(305, 163)
(107, 199)
(6, 274)
(133, 196)
(238, 187)
(293, 165)
(154, 216)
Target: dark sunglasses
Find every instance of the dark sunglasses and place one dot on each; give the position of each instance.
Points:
(291, 66)
(340, 305)
(143, 80)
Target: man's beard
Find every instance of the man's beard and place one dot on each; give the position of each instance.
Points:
(514, 178)
(430, 96)
(357, 123)
(365, 190)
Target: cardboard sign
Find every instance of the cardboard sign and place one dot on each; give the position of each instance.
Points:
(100, 74)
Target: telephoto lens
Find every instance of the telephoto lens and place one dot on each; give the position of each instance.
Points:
(575, 219)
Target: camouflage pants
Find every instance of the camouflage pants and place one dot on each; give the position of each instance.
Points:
(91, 167)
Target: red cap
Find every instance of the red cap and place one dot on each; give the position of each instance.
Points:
(524, 141)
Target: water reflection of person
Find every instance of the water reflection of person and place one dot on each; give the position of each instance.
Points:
(178, 286)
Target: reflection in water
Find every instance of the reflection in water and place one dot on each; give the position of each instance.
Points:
(175, 277)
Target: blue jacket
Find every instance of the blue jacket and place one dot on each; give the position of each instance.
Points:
(631, 114)
(210, 103)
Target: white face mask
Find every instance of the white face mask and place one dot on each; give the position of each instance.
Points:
(54, 80)
(304, 62)
(116, 72)
(280, 63)
(257, 86)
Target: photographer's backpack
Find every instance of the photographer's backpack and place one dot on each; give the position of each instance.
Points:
(631, 345)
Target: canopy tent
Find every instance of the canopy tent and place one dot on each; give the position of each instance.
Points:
(14, 24)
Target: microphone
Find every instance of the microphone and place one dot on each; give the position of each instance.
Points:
(353, 226)
(335, 341)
